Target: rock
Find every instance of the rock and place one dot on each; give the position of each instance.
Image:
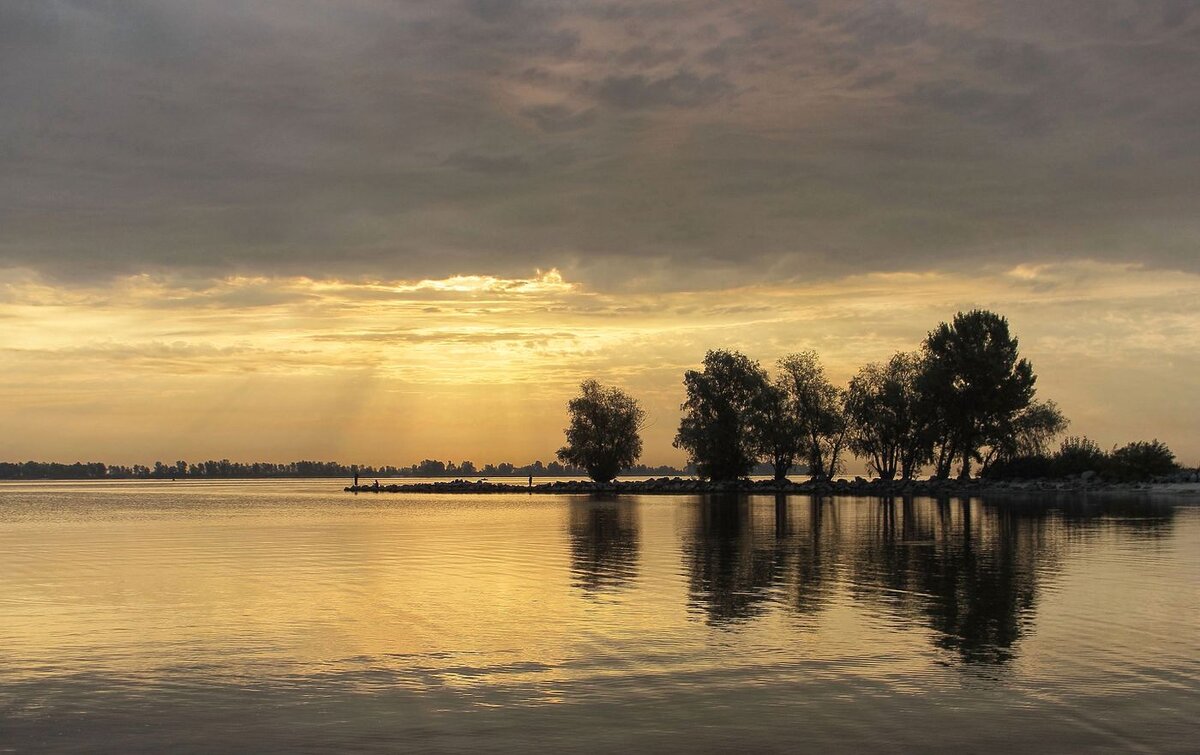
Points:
(1088, 476)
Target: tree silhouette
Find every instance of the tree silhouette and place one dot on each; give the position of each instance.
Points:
(604, 434)
(777, 435)
(1142, 460)
(974, 385)
(1078, 454)
(717, 428)
(887, 426)
(604, 544)
(816, 407)
(1026, 434)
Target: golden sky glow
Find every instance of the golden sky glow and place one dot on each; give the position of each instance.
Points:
(278, 229)
(479, 367)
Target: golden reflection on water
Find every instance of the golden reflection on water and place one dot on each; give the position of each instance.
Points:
(492, 602)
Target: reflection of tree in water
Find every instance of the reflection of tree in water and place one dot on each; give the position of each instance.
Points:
(812, 550)
(604, 544)
(1143, 519)
(984, 587)
(971, 572)
(731, 567)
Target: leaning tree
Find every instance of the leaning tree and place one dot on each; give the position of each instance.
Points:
(604, 435)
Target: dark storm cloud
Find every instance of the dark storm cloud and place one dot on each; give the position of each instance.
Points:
(873, 80)
(875, 26)
(1016, 111)
(1019, 62)
(648, 56)
(556, 118)
(491, 164)
(646, 144)
(495, 10)
(680, 89)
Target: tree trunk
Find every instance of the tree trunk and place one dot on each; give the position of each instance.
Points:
(781, 468)
(816, 464)
(889, 472)
(944, 461)
(965, 472)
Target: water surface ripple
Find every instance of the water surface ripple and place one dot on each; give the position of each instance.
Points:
(288, 616)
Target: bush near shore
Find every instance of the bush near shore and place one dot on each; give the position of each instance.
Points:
(1139, 461)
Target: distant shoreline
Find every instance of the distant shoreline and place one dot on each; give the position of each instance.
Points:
(1182, 483)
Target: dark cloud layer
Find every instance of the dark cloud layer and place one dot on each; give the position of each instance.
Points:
(654, 144)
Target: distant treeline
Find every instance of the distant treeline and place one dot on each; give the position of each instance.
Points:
(226, 469)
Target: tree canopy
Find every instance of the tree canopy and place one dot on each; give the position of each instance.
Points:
(974, 385)
(816, 406)
(1026, 433)
(777, 435)
(717, 428)
(883, 409)
(604, 435)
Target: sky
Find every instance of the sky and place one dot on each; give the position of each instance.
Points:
(380, 231)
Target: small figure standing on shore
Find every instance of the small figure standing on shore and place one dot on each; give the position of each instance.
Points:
(531, 482)
(377, 484)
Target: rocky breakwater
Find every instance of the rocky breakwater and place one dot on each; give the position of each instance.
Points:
(1187, 482)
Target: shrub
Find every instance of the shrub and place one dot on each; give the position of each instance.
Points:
(1141, 460)
(1021, 468)
(1077, 455)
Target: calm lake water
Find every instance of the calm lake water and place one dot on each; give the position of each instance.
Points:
(290, 616)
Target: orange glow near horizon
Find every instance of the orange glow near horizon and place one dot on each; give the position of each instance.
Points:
(479, 367)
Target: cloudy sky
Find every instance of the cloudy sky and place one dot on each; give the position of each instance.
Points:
(378, 231)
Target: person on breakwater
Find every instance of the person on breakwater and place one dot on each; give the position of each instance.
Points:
(377, 485)
(531, 482)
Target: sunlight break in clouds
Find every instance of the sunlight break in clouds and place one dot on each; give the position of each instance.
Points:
(290, 229)
(393, 371)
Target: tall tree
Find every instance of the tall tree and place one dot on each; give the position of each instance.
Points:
(816, 406)
(887, 426)
(974, 384)
(717, 428)
(604, 435)
(777, 436)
